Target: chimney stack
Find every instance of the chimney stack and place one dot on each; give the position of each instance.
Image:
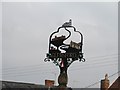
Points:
(105, 83)
(49, 83)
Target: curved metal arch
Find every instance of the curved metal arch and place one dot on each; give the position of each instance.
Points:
(68, 35)
(57, 32)
(80, 35)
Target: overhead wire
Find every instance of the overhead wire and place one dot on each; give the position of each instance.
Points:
(29, 67)
(100, 80)
(37, 65)
(23, 73)
(103, 56)
(73, 68)
(109, 65)
(70, 70)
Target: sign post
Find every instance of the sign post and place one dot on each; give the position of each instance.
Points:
(73, 51)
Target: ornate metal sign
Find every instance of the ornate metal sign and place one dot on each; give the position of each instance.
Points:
(73, 50)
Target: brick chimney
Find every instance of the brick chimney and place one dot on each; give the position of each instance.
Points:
(49, 83)
(105, 83)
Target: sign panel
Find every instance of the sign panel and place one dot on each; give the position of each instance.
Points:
(64, 55)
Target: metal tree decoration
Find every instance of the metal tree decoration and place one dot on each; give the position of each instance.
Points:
(73, 52)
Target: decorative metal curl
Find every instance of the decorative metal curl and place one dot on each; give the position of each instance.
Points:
(46, 59)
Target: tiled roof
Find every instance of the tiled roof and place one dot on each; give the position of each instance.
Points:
(9, 85)
(115, 85)
(17, 85)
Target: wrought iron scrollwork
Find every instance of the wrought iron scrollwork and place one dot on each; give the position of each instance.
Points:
(73, 51)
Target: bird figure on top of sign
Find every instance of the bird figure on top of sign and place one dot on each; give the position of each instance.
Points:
(67, 24)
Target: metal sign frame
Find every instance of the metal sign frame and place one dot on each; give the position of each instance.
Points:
(73, 51)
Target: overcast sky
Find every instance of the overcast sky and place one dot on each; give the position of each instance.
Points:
(26, 28)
